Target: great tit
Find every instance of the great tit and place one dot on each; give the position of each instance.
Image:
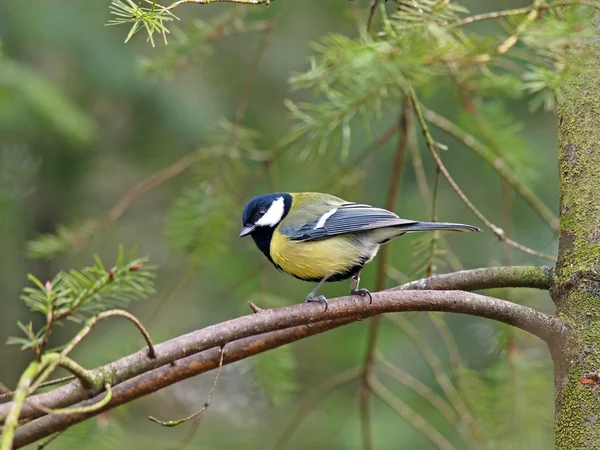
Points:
(318, 237)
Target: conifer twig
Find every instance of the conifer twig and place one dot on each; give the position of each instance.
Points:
(472, 143)
(521, 11)
(432, 148)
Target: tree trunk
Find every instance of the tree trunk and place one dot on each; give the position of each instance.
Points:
(577, 285)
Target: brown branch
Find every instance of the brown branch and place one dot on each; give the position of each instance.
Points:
(431, 145)
(206, 2)
(497, 163)
(249, 327)
(486, 278)
(393, 190)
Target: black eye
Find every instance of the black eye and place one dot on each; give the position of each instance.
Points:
(261, 212)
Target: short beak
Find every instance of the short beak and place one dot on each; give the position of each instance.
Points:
(247, 230)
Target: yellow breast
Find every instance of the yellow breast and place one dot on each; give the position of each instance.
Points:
(318, 259)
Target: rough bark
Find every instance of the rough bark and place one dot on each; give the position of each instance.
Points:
(577, 287)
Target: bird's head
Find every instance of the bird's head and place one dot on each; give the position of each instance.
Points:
(265, 212)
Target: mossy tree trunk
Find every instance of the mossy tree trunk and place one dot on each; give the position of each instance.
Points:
(577, 285)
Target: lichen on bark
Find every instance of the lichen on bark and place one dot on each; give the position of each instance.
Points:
(576, 289)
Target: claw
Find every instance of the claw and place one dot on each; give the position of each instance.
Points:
(321, 299)
(363, 293)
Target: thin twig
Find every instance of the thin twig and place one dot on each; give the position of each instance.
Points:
(394, 185)
(434, 236)
(84, 332)
(432, 148)
(12, 418)
(149, 183)
(419, 388)
(87, 409)
(411, 416)
(433, 361)
(372, 8)
(85, 376)
(310, 401)
(206, 2)
(536, 277)
(497, 164)
(174, 423)
(520, 11)
(49, 440)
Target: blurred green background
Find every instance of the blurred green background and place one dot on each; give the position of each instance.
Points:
(82, 121)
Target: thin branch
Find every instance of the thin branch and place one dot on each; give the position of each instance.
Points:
(443, 380)
(135, 321)
(497, 164)
(349, 309)
(411, 416)
(434, 236)
(536, 277)
(310, 401)
(174, 423)
(7, 392)
(149, 183)
(394, 185)
(521, 11)
(97, 380)
(512, 40)
(87, 409)
(206, 2)
(432, 148)
(372, 8)
(84, 376)
(419, 388)
(15, 407)
(49, 440)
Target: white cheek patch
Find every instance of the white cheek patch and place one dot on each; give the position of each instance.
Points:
(324, 217)
(273, 216)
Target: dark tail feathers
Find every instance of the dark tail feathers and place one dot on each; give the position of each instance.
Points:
(432, 226)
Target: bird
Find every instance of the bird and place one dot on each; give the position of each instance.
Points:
(321, 238)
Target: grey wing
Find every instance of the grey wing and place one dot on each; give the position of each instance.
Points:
(346, 218)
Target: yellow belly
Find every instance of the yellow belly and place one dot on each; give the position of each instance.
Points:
(318, 259)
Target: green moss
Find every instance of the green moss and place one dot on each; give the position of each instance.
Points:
(576, 291)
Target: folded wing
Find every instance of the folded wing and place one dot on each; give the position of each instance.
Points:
(343, 219)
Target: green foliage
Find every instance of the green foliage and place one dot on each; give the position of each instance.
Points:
(201, 220)
(151, 19)
(503, 135)
(78, 294)
(274, 374)
(502, 395)
(551, 39)
(48, 245)
(424, 44)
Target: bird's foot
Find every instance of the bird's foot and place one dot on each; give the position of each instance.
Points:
(363, 293)
(321, 299)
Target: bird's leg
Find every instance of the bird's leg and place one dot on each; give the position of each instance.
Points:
(354, 290)
(321, 298)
